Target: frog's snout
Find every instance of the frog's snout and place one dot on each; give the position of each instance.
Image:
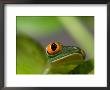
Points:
(83, 53)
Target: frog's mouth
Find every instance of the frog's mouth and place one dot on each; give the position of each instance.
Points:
(69, 59)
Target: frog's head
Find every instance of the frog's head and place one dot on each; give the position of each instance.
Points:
(56, 52)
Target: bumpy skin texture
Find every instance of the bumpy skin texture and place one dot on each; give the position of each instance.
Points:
(66, 52)
(64, 61)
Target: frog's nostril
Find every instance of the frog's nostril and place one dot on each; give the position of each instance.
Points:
(53, 46)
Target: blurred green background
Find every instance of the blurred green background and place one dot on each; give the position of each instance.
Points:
(34, 33)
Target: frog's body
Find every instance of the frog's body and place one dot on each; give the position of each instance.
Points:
(65, 52)
(63, 58)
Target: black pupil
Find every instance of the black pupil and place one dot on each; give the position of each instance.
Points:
(53, 46)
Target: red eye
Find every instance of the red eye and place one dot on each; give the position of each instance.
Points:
(54, 48)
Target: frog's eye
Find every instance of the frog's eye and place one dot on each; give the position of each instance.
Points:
(53, 48)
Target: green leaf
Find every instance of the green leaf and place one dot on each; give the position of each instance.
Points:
(91, 72)
(86, 67)
(30, 56)
(37, 25)
(80, 33)
(87, 21)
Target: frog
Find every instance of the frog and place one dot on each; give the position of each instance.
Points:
(63, 58)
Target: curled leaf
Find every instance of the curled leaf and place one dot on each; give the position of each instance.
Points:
(86, 67)
(30, 56)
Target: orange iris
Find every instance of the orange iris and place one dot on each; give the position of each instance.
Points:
(54, 48)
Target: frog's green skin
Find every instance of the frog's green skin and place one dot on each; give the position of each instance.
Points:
(66, 52)
(65, 60)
